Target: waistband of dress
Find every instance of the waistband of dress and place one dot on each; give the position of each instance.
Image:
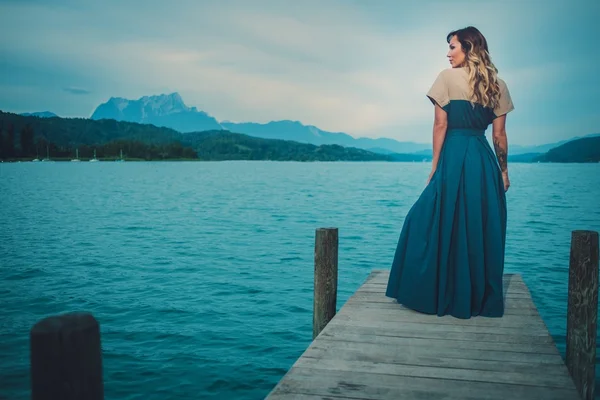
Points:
(465, 132)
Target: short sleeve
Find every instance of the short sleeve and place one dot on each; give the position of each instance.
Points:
(438, 93)
(505, 104)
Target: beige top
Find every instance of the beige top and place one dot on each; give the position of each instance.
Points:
(453, 84)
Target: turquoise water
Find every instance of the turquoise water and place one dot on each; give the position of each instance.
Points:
(201, 274)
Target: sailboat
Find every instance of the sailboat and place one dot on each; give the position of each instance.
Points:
(120, 159)
(94, 159)
(76, 156)
(47, 155)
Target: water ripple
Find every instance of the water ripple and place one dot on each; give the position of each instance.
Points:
(201, 274)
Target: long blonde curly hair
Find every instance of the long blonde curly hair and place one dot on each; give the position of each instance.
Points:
(483, 74)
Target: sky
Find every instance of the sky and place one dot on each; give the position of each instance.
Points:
(359, 67)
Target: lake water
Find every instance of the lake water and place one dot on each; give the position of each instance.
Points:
(201, 273)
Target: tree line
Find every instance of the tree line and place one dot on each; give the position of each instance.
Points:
(25, 144)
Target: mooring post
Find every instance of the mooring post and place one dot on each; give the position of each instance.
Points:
(582, 311)
(326, 278)
(66, 358)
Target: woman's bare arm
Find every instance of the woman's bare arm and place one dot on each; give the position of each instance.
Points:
(500, 142)
(501, 147)
(440, 125)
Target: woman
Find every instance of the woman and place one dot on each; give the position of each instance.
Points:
(450, 255)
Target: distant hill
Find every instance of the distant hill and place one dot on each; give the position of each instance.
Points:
(63, 135)
(517, 149)
(295, 130)
(582, 150)
(41, 114)
(525, 157)
(225, 145)
(163, 110)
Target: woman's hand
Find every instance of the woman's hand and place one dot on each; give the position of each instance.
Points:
(505, 180)
(430, 176)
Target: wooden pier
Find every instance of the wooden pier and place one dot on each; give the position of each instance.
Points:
(374, 348)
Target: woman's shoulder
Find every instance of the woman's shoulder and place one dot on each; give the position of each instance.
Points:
(502, 83)
(460, 77)
(447, 73)
(454, 72)
(453, 76)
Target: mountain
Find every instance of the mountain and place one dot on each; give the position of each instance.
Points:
(295, 130)
(161, 110)
(40, 114)
(543, 148)
(586, 149)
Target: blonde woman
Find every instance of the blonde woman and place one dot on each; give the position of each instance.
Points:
(450, 255)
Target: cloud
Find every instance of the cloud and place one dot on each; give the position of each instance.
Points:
(76, 90)
(340, 65)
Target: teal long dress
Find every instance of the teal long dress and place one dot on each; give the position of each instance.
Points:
(450, 255)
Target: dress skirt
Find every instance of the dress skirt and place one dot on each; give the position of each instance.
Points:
(450, 255)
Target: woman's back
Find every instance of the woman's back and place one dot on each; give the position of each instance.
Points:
(451, 91)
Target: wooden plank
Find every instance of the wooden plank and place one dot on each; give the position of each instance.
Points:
(300, 396)
(343, 322)
(509, 295)
(530, 378)
(513, 306)
(360, 311)
(363, 385)
(516, 286)
(382, 300)
(400, 341)
(444, 351)
(380, 354)
(375, 348)
(506, 338)
(381, 276)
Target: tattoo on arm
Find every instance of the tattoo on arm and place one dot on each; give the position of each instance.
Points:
(501, 153)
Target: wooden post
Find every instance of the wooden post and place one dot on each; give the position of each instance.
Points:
(326, 276)
(66, 359)
(582, 311)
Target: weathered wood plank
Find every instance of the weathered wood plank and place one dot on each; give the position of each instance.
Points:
(381, 276)
(514, 285)
(526, 309)
(300, 396)
(330, 350)
(364, 385)
(506, 338)
(375, 348)
(509, 295)
(399, 341)
(366, 300)
(345, 322)
(359, 311)
(530, 378)
(445, 351)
